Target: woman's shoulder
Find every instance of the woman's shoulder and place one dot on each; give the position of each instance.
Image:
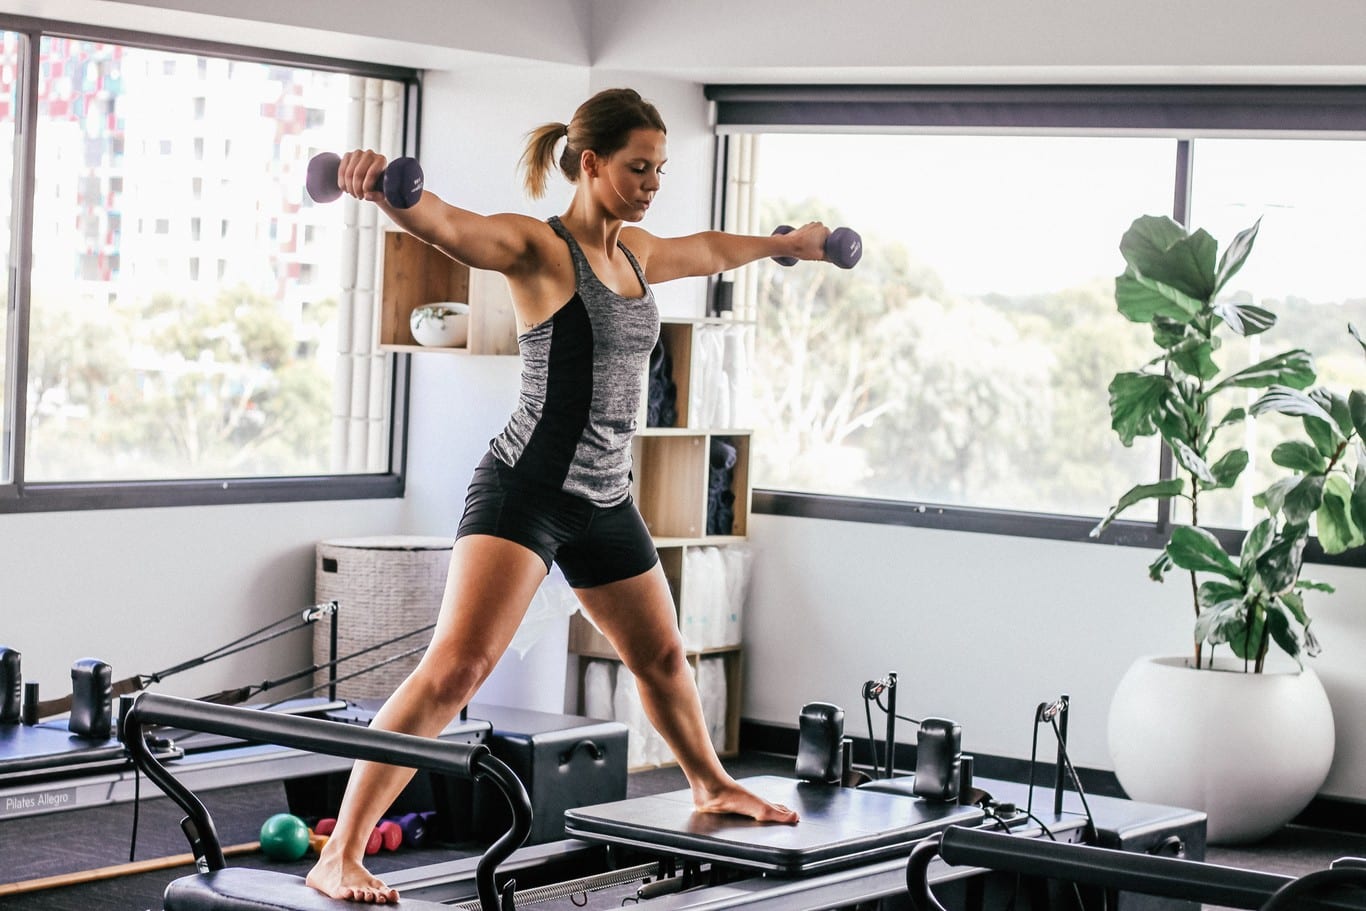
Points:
(639, 241)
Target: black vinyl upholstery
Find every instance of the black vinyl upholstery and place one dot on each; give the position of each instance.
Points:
(246, 889)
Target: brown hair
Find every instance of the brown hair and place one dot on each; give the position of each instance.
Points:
(603, 124)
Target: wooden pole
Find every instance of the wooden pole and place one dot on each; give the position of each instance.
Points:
(116, 870)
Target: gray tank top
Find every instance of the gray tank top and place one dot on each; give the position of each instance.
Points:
(581, 385)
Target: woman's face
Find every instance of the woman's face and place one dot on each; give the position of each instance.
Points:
(628, 179)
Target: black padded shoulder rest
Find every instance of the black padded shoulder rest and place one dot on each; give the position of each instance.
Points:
(245, 889)
(312, 735)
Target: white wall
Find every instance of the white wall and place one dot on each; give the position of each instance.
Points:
(980, 628)
(145, 589)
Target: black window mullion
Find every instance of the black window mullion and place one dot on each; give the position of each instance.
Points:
(21, 265)
(1181, 212)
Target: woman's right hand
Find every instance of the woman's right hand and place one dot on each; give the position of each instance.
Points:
(360, 172)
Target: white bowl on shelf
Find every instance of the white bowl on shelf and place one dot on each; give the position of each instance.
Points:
(441, 325)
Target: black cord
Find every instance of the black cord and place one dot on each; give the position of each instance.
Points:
(899, 716)
(1033, 764)
(137, 803)
(872, 741)
(1076, 781)
(1046, 830)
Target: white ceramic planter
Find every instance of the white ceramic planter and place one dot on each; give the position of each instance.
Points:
(1251, 750)
(441, 325)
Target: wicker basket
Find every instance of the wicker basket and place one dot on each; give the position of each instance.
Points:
(384, 587)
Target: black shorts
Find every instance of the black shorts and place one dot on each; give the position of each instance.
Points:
(594, 545)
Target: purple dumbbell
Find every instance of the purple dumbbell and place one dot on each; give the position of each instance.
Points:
(401, 182)
(843, 247)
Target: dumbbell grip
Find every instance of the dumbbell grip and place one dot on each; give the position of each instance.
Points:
(401, 181)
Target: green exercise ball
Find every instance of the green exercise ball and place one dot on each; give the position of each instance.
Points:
(284, 837)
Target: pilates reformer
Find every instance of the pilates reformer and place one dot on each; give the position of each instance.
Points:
(1342, 886)
(850, 849)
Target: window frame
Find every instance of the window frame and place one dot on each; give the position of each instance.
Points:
(18, 495)
(1183, 113)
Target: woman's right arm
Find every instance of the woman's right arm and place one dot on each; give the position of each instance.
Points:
(498, 243)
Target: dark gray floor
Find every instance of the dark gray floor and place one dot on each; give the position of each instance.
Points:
(98, 837)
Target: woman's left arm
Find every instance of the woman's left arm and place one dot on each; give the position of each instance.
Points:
(710, 252)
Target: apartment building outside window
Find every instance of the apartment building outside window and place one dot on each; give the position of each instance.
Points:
(150, 360)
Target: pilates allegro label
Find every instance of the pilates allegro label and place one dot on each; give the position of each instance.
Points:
(38, 801)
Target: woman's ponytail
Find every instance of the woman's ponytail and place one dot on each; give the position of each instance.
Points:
(539, 157)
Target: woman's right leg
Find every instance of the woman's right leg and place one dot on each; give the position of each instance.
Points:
(488, 588)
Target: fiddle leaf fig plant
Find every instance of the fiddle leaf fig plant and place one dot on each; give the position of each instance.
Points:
(1171, 282)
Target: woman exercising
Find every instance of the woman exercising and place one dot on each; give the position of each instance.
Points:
(555, 484)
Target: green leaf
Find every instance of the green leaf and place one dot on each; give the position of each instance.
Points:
(1298, 455)
(1197, 550)
(1357, 504)
(1168, 332)
(1254, 542)
(1215, 595)
(1282, 631)
(1176, 264)
(1315, 586)
(1141, 492)
(1302, 500)
(1158, 569)
(1140, 303)
(1227, 470)
(1196, 358)
(1245, 319)
(1234, 416)
(1235, 255)
(1325, 438)
(1214, 624)
(1279, 566)
(1356, 407)
(1285, 400)
(1190, 460)
(1273, 498)
(1337, 531)
(1294, 369)
(1336, 406)
(1294, 603)
(1245, 639)
(1134, 400)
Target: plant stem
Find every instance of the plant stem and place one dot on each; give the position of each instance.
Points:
(1195, 584)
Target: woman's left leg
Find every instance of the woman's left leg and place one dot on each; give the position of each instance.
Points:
(638, 617)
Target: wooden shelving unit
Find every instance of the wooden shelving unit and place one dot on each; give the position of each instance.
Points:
(670, 487)
(416, 273)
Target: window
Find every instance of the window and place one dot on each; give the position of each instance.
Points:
(958, 376)
(144, 378)
(9, 104)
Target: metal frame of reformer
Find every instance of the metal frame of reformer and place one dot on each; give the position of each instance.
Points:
(1126, 871)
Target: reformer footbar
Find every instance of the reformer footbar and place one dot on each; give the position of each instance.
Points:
(218, 888)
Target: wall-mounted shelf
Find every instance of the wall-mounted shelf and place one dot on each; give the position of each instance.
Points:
(416, 273)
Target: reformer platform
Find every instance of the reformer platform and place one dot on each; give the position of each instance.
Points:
(840, 827)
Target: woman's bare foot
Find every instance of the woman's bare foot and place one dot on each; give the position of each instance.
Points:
(730, 797)
(335, 876)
